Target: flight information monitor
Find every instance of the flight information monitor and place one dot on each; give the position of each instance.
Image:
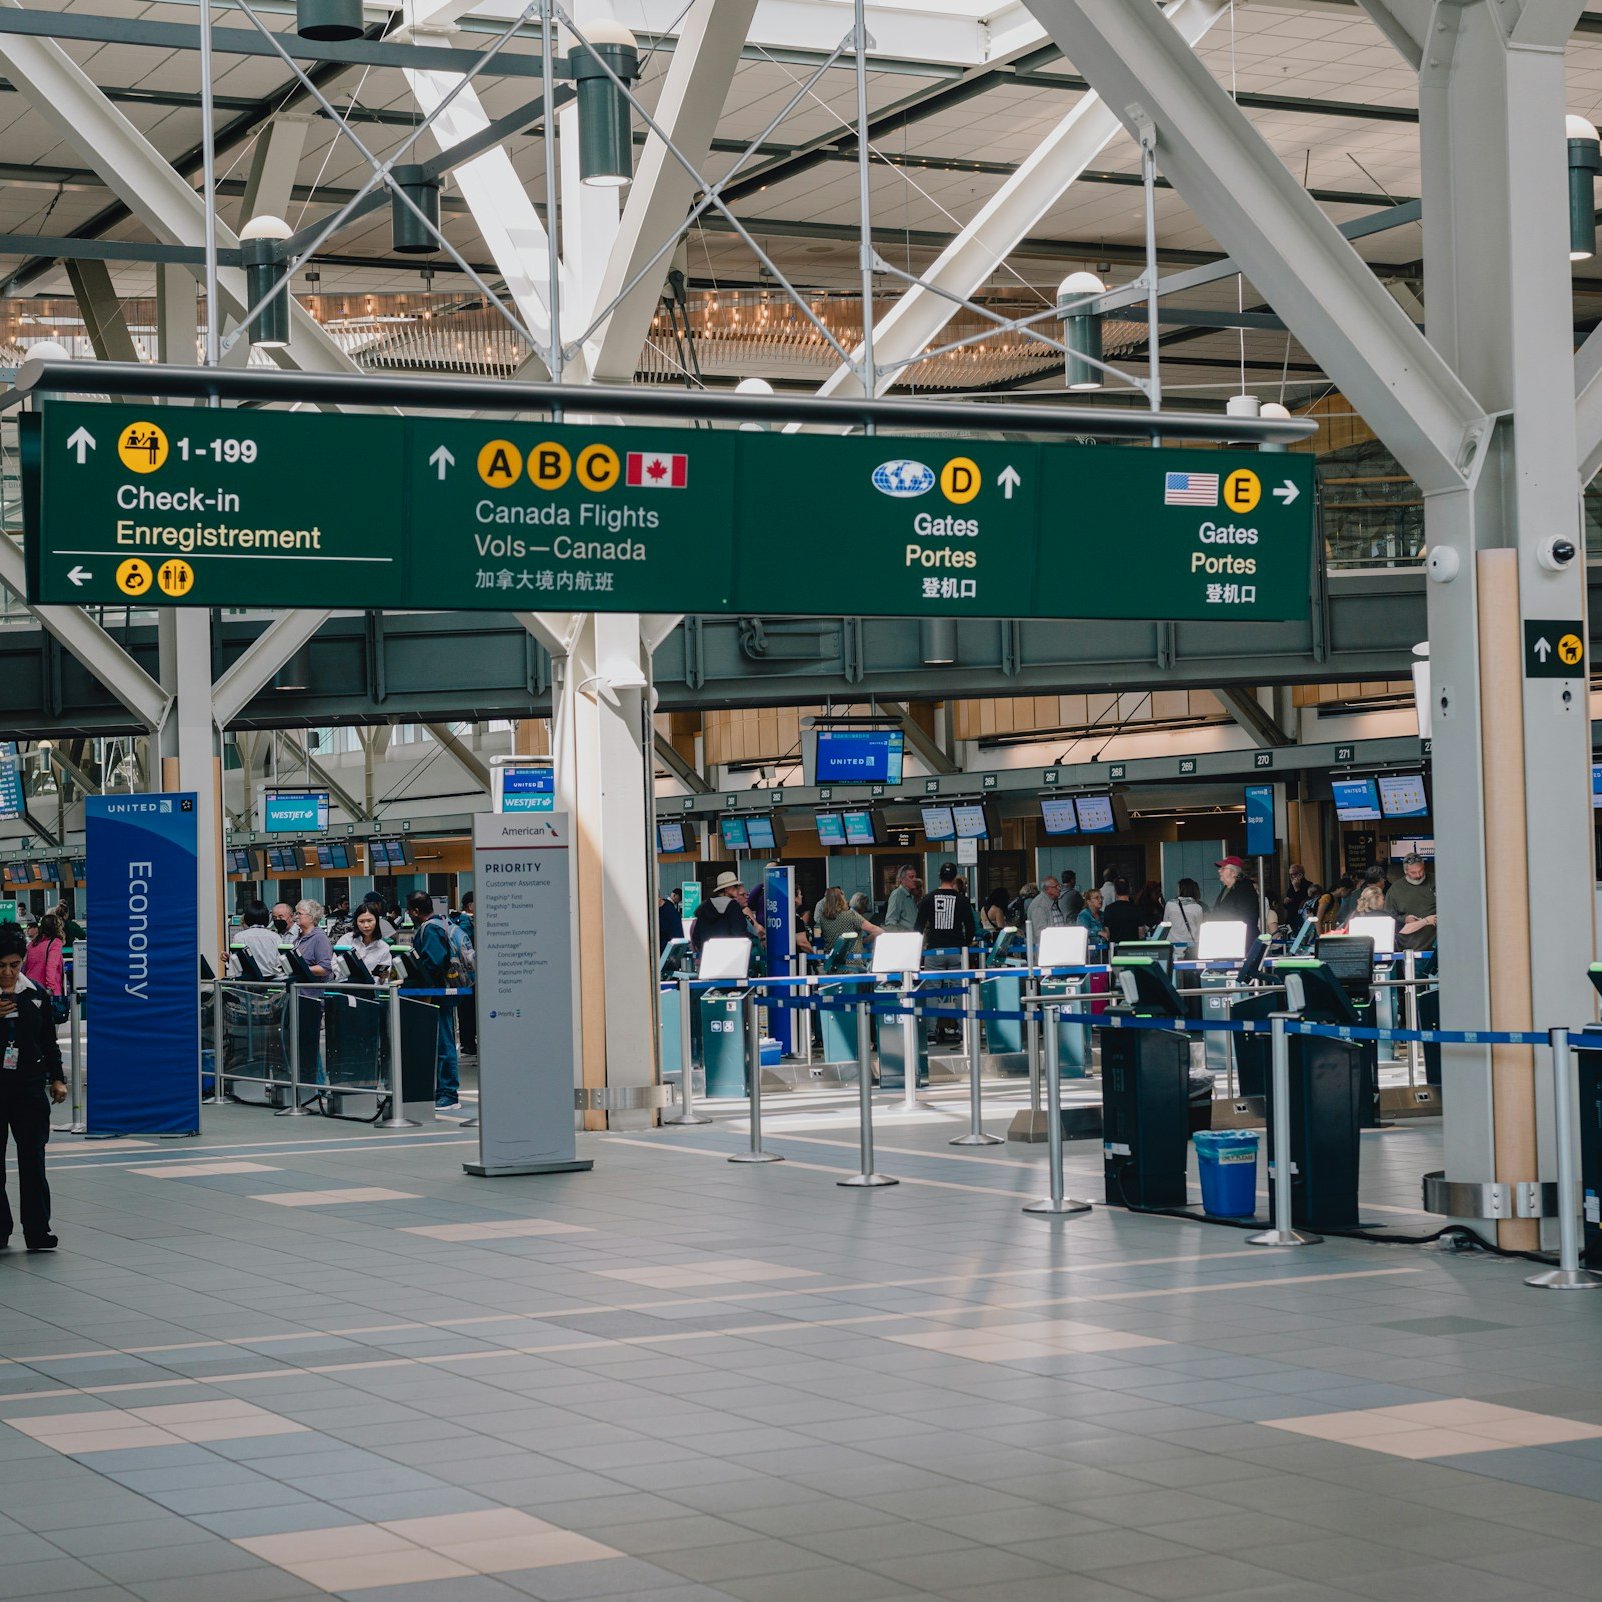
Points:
(972, 822)
(938, 825)
(831, 829)
(294, 811)
(1096, 814)
(1059, 815)
(670, 837)
(1356, 800)
(50, 872)
(1596, 784)
(736, 837)
(336, 854)
(238, 859)
(859, 756)
(763, 832)
(523, 787)
(862, 827)
(1403, 795)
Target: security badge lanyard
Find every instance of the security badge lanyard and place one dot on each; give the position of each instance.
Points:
(10, 1060)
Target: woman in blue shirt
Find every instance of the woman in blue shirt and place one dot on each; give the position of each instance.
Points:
(1090, 918)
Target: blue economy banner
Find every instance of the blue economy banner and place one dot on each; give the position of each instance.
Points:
(144, 973)
(778, 922)
(1259, 820)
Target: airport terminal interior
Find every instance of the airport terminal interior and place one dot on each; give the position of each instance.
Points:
(798, 800)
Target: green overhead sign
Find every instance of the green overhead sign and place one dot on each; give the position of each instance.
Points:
(189, 506)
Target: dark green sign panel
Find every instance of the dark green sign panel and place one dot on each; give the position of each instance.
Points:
(189, 506)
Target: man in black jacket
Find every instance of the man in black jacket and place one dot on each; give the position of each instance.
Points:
(30, 1079)
(1237, 900)
(947, 923)
(724, 914)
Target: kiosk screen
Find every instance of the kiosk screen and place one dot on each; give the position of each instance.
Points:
(1096, 814)
(1402, 795)
(972, 821)
(831, 829)
(862, 827)
(1356, 800)
(1059, 815)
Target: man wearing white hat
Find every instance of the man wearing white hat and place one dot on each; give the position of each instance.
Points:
(723, 915)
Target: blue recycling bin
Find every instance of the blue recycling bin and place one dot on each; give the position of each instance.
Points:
(1227, 1162)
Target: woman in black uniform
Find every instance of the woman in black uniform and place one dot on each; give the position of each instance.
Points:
(30, 1079)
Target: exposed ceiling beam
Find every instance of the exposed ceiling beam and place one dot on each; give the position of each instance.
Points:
(681, 770)
(1244, 707)
(464, 756)
(919, 738)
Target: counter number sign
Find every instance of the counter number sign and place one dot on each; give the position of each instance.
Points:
(1554, 649)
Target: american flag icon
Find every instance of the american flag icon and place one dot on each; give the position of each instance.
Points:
(1190, 489)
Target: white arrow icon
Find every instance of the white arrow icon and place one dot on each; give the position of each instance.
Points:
(1543, 649)
(1288, 492)
(442, 459)
(82, 442)
(80, 575)
(1009, 479)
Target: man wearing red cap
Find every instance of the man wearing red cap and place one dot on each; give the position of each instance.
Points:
(1237, 901)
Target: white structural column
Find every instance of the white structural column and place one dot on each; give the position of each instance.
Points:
(687, 109)
(984, 244)
(1510, 754)
(1263, 217)
(600, 745)
(136, 172)
(190, 758)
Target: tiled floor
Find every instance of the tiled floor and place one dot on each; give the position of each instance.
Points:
(295, 1359)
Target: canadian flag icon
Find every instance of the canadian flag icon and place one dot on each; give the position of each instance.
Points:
(657, 470)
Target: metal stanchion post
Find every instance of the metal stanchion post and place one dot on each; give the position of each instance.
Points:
(976, 1135)
(1282, 1234)
(292, 1005)
(910, 1054)
(1059, 1205)
(686, 1113)
(1568, 1275)
(1032, 1050)
(753, 1068)
(801, 1017)
(397, 1118)
(867, 1179)
(75, 1124)
(1415, 1048)
(216, 1046)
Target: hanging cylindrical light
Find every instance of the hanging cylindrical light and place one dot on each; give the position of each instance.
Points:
(753, 386)
(1279, 414)
(937, 640)
(606, 134)
(409, 233)
(261, 246)
(1081, 329)
(1585, 162)
(329, 20)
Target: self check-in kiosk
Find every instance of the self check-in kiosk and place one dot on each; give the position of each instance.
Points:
(1350, 958)
(677, 959)
(844, 977)
(1067, 947)
(722, 1010)
(1328, 1090)
(1145, 1090)
(1001, 990)
(897, 959)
